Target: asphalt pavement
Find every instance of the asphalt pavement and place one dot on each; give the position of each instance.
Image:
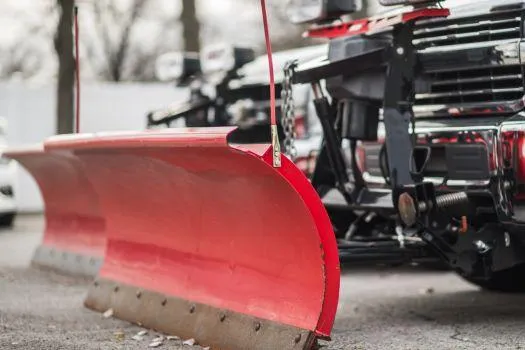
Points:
(401, 308)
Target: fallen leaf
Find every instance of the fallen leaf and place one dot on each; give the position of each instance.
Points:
(190, 342)
(429, 290)
(155, 344)
(140, 335)
(119, 335)
(108, 313)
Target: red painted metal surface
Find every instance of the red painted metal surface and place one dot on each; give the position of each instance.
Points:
(74, 221)
(372, 25)
(189, 216)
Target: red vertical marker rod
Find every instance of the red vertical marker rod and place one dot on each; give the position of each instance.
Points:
(276, 147)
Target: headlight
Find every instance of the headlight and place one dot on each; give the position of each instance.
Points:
(217, 58)
(176, 65)
(169, 66)
(305, 11)
(405, 2)
(223, 58)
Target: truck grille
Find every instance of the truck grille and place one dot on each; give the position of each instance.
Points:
(467, 30)
(480, 85)
(470, 61)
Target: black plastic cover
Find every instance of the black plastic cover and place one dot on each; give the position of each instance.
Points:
(467, 162)
(363, 120)
(367, 76)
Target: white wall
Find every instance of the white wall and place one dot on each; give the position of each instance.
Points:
(30, 111)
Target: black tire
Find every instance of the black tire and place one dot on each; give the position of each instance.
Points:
(434, 265)
(507, 281)
(7, 220)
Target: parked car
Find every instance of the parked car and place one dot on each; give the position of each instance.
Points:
(8, 208)
(229, 86)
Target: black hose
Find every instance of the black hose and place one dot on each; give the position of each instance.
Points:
(383, 164)
(358, 174)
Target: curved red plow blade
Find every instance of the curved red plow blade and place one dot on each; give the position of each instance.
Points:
(209, 241)
(74, 238)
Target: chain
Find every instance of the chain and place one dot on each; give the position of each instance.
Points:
(288, 110)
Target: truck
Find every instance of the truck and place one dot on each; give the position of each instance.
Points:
(422, 115)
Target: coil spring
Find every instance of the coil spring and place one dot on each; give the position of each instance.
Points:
(451, 199)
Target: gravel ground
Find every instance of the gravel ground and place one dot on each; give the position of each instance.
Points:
(42, 310)
(379, 309)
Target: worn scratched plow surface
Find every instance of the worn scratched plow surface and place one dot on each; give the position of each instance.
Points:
(210, 241)
(74, 239)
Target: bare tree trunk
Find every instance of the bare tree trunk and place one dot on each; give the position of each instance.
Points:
(190, 26)
(118, 59)
(66, 68)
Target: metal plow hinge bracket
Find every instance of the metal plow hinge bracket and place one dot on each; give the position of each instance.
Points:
(398, 114)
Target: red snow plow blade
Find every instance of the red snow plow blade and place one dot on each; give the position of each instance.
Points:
(209, 241)
(74, 239)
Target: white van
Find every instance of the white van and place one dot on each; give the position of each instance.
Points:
(7, 178)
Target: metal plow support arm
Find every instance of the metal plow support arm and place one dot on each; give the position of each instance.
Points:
(209, 241)
(74, 239)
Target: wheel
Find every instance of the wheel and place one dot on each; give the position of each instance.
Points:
(6, 220)
(506, 281)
